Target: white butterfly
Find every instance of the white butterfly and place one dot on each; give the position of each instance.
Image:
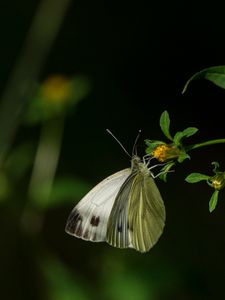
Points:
(125, 209)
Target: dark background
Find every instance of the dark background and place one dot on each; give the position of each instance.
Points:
(137, 57)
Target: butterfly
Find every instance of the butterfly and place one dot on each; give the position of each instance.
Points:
(126, 210)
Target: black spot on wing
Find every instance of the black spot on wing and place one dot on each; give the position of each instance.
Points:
(120, 228)
(94, 221)
(79, 230)
(86, 234)
(94, 237)
(74, 223)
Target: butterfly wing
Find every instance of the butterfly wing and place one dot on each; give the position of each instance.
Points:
(88, 220)
(146, 213)
(118, 227)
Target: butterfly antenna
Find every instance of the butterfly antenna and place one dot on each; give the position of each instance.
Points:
(121, 145)
(134, 150)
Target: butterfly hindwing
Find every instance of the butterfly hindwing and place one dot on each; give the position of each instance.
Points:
(138, 214)
(118, 227)
(146, 213)
(88, 220)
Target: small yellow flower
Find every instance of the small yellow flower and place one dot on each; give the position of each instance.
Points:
(56, 89)
(165, 152)
(218, 181)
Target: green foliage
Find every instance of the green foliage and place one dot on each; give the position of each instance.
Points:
(175, 151)
(216, 181)
(54, 99)
(129, 286)
(196, 177)
(214, 74)
(20, 160)
(183, 155)
(164, 170)
(60, 282)
(152, 144)
(213, 201)
(184, 134)
(216, 166)
(164, 123)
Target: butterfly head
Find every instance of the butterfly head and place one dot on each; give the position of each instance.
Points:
(137, 165)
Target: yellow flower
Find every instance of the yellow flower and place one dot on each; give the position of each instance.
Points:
(165, 152)
(56, 89)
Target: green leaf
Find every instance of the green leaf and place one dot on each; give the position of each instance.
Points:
(149, 142)
(214, 74)
(189, 131)
(183, 156)
(164, 171)
(185, 133)
(196, 177)
(164, 123)
(152, 144)
(213, 201)
(177, 138)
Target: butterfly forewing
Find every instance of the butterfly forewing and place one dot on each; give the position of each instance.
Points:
(88, 220)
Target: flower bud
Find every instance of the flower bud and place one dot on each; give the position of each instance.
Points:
(218, 181)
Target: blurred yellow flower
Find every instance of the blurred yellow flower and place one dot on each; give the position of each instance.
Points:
(56, 88)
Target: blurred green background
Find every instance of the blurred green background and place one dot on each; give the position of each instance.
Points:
(69, 70)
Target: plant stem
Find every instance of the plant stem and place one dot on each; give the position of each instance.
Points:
(43, 174)
(203, 144)
(28, 66)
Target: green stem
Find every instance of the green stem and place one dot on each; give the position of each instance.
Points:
(19, 90)
(43, 174)
(199, 145)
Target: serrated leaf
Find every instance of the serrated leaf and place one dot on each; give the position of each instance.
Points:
(214, 74)
(164, 123)
(213, 201)
(196, 177)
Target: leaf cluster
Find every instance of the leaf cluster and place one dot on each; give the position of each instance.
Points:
(177, 151)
